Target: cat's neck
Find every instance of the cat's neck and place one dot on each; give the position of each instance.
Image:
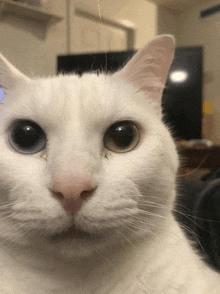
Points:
(165, 263)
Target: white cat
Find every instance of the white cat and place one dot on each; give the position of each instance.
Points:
(87, 184)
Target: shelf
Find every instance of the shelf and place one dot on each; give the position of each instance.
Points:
(28, 11)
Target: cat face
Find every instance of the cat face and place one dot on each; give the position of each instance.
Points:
(86, 162)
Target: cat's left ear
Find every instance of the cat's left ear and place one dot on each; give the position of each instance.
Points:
(147, 70)
(9, 75)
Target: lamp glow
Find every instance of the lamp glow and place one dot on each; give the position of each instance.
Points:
(179, 76)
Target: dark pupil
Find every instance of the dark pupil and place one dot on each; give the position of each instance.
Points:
(122, 135)
(26, 135)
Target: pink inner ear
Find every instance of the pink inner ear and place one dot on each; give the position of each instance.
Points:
(148, 68)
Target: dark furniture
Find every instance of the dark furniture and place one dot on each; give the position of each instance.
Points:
(198, 211)
(208, 158)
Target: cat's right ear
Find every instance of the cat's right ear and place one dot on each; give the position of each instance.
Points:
(147, 70)
(9, 75)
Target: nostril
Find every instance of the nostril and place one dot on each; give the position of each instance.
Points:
(73, 187)
(59, 195)
(85, 194)
(73, 204)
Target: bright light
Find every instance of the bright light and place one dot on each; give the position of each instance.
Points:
(127, 23)
(179, 76)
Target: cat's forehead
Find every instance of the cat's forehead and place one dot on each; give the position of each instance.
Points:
(70, 98)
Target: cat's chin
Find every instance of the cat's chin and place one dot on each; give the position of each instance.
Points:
(73, 243)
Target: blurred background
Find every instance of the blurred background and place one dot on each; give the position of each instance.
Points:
(33, 33)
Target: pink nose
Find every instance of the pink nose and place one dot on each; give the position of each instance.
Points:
(72, 190)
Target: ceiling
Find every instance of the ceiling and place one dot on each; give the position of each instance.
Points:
(179, 4)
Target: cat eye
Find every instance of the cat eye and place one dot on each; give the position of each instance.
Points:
(122, 137)
(27, 137)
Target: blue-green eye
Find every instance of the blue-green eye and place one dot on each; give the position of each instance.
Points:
(122, 136)
(27, 137)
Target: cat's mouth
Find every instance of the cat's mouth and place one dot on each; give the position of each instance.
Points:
(73, 233)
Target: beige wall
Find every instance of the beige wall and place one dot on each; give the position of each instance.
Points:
(34, 50)
(167, 21)
(25, 44)
(141, 13)
(191, 30)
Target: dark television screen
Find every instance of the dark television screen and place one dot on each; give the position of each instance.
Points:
(182, 96)
(107, 62)
(181, 101)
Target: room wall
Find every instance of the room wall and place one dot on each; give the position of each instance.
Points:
(34, 51)
(29, 46)
(167, 21)
(191, 30)
(141, 13)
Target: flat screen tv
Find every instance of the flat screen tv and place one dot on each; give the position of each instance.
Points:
(182, 96)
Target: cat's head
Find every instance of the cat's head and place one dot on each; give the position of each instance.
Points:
(86, 162)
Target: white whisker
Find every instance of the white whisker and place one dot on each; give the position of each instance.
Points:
(180, 205)
(147, 221)
(13, 230)
(195, 236)
(151, 202)
(6, 205)
(124, 237)
(5, 217)
(192, 219)
(151, 213)
(140, 228)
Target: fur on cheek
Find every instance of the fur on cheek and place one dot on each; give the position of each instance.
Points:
(38, 209)
(28, 201)
(114, 204)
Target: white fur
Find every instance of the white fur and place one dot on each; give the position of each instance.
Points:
(137, 246)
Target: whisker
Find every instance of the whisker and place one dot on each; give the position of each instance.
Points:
(196, 169)
(106, 259)
(126, 238)
(148, 222)
(194, 217)
(132, 224)
(155, 205)
(140, 228)
(191, 219)
(15, 233)
(150, 202)
(154, 197)
(4, 212)
(151, 213)
(135, 232)
(6, 205)
(5, 217)
(195, 236)
(183, 206)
